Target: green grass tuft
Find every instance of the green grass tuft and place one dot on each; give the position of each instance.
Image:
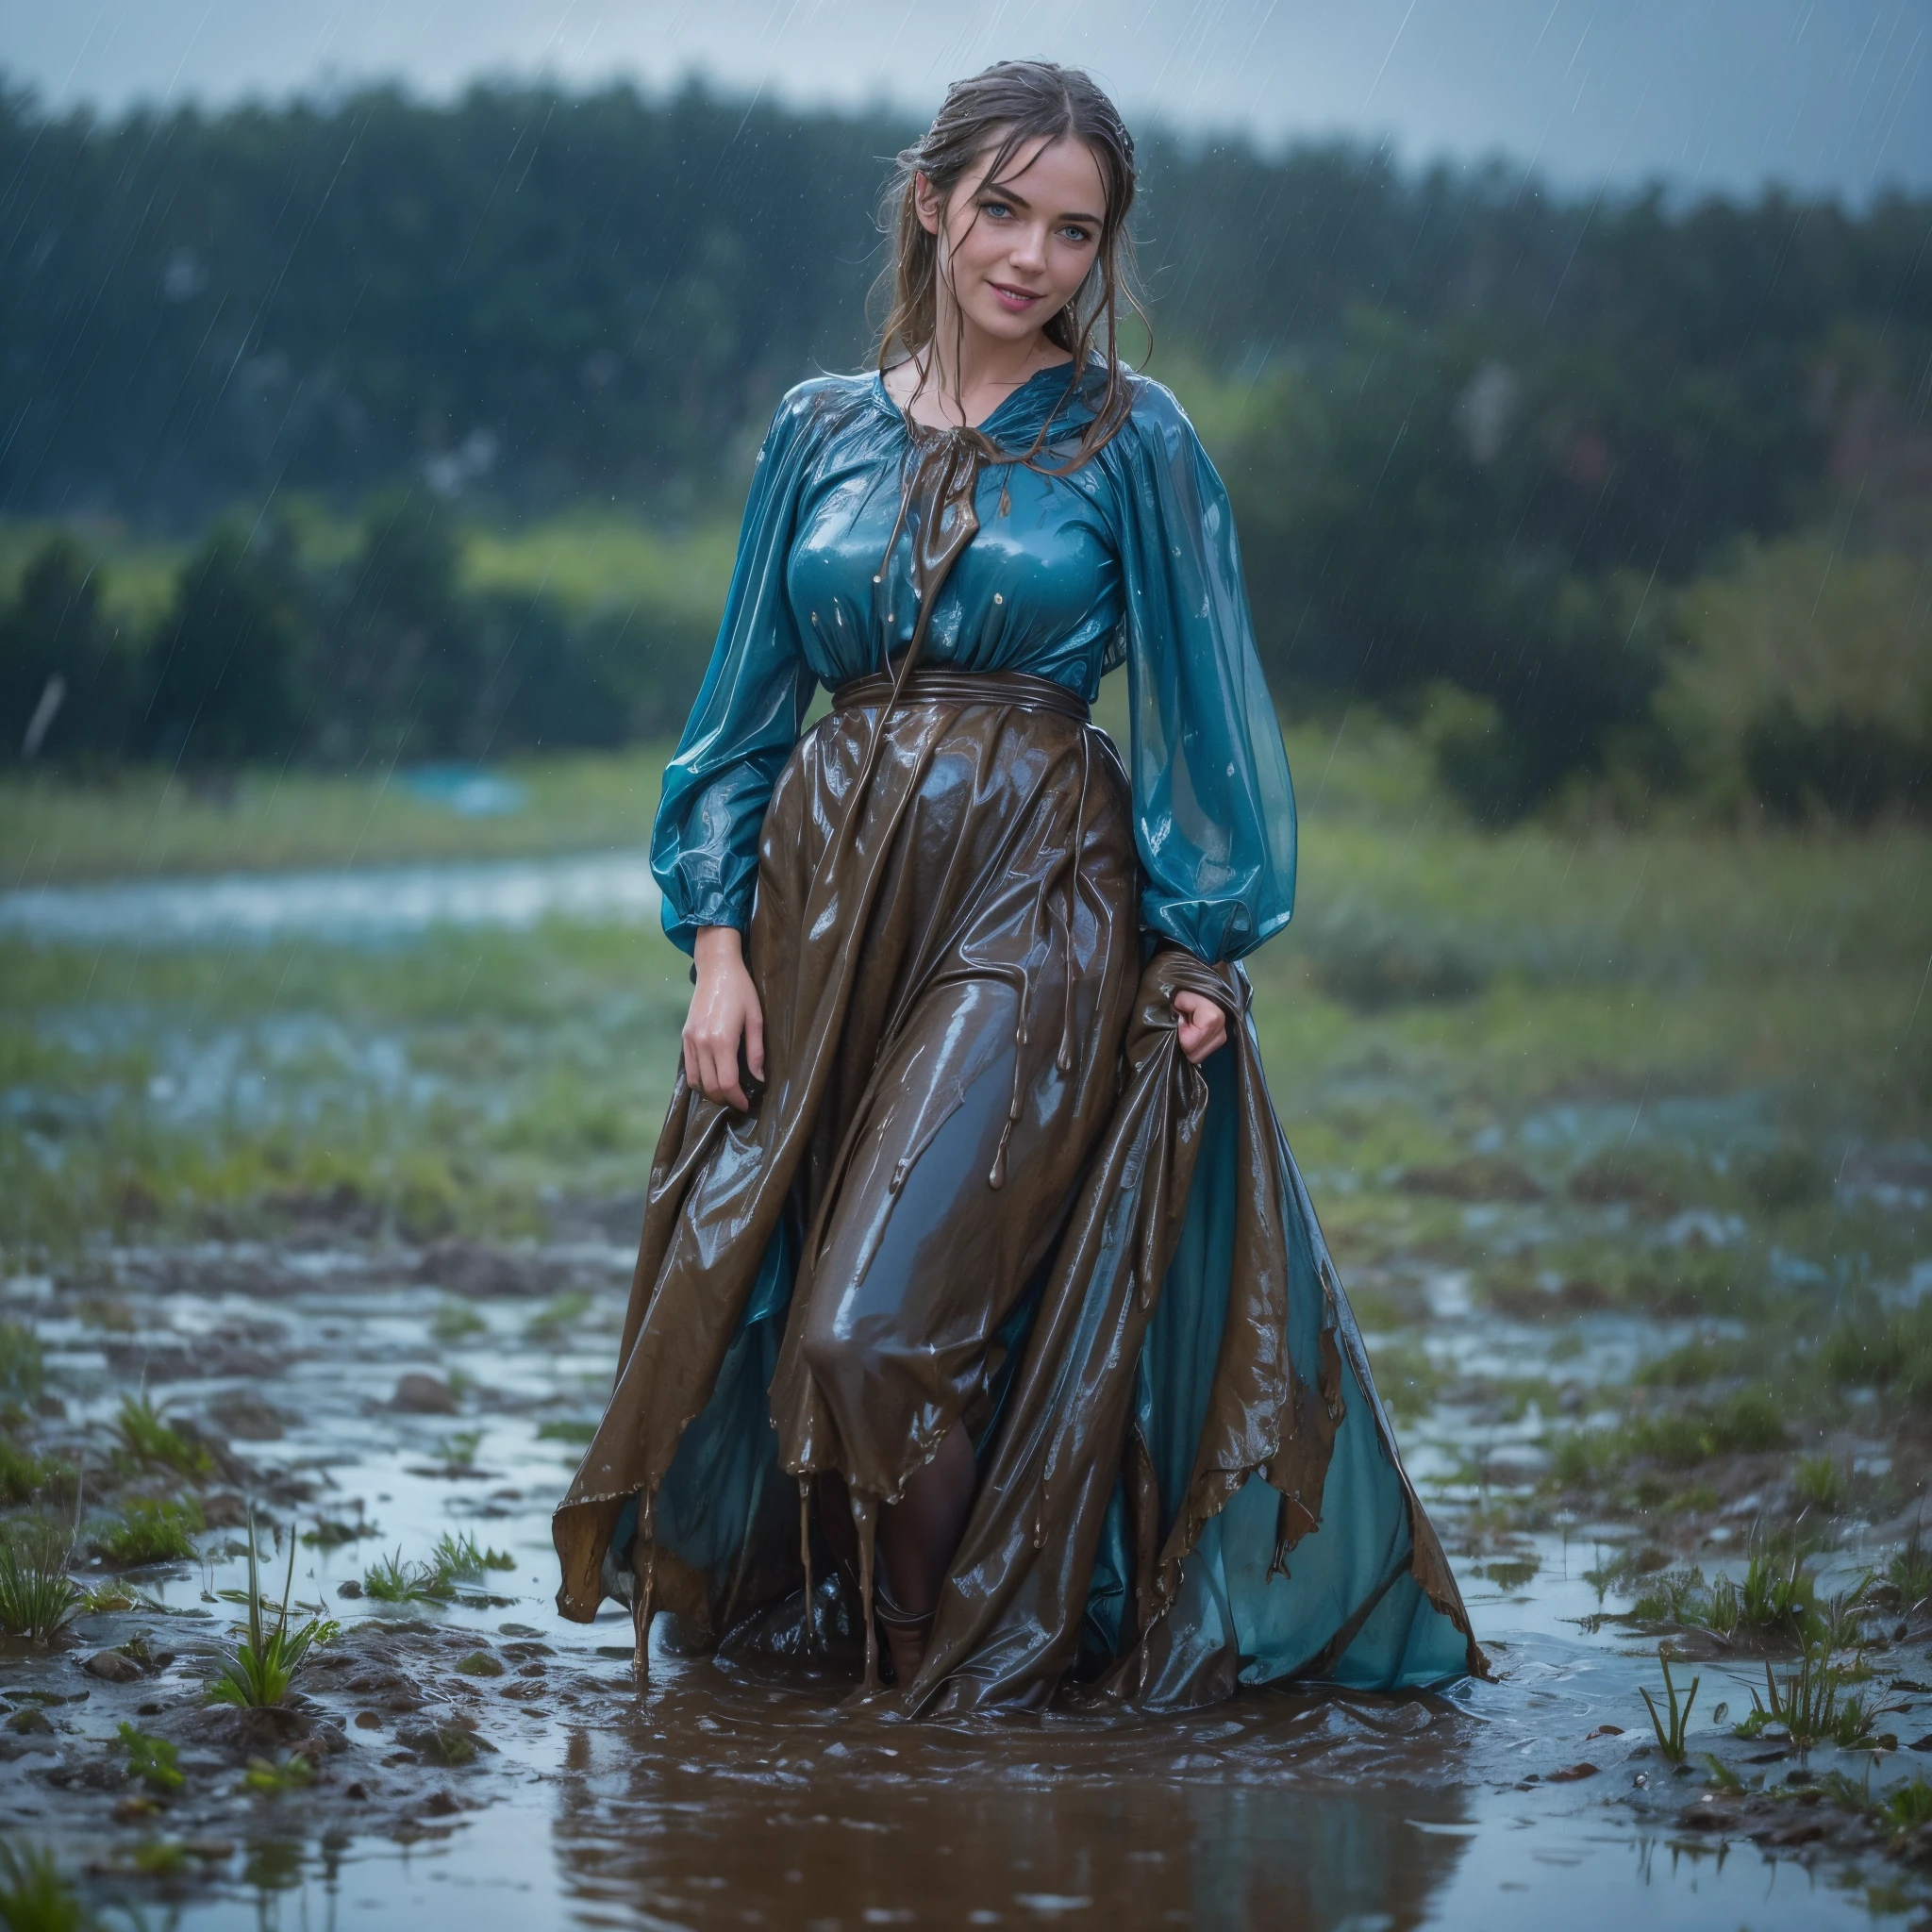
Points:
(1806, 1707)
(23, 1475)
(1908, 1806)
(37, 1596)
(269, 1777)
(1911, 1571)
(457, 1322)
(35, 1896)
(149, 1441)
(1821, 1484)
(394, 1581)
(258, 1672)
(1749, 1422)
(1669, 1736)
(23, 1366)
(151, 1531)
(152, 1759)
(458, 1560)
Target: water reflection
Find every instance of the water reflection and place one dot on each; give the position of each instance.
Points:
(356, 906)
(1285, 1857)
(727, 1800)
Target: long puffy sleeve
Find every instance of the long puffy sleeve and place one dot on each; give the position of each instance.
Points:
(1213, 802)
(704, 845)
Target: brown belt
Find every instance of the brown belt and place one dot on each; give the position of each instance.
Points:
(1018, 689)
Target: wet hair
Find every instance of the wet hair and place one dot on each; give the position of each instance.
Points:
(991, 119)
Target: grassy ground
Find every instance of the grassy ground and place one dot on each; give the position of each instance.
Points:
(1438, 984)
(148, 824)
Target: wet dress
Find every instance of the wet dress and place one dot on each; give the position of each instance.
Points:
(980, 1185)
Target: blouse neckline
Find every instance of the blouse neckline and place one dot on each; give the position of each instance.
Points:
(884, 397)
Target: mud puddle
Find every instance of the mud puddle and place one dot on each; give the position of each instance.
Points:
(462, 1751)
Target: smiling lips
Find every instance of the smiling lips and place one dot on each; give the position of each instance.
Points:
(1018, 300)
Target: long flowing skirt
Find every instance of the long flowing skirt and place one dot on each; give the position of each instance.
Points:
(980, 1185)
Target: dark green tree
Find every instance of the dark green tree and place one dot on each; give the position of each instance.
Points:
(223, 673)
(406, 662)
(1420, 512)
(64, 684)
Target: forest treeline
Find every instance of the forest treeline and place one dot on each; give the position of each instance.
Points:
(1548, 473)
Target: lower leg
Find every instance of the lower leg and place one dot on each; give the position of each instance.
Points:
(918, 1536)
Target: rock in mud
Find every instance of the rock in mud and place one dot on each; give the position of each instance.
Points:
(240, 1735)
(112, 1667)
(419, 1394)
(325, 1741)
(444, 1743)
(246, 1417)
(466, 1268)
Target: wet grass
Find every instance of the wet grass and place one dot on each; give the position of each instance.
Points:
(258, 1669)
(149, 1530)
(24, 1474)
(1808, 1704)
(146, 824)
(393, 1580)
(154, 1761)
(456, 1559)
(1670, 1735)
(23, 1366)
(1776, 1599)
(37, 1596)
(1749, 1422)
(1909, 1570)
(35, 1894)
(149, 1441)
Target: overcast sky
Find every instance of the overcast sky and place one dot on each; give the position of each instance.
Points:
(1711, 93)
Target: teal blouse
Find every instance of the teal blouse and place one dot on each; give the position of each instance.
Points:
(1130, 558)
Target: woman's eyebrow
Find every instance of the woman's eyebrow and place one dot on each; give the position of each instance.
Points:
(1008, 192)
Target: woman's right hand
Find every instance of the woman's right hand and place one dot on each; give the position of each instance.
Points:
(724, 1011)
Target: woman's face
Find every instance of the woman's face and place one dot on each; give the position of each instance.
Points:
(1015, 250)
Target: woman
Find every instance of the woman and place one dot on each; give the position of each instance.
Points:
(974, 1259)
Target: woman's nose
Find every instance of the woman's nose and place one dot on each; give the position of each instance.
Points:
(1029, 248)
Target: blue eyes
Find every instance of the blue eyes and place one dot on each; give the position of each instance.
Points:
(1003, 212)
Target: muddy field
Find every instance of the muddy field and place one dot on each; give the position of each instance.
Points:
(1622, 1143)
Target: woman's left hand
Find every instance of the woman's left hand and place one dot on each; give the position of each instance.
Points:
(1204, 1024)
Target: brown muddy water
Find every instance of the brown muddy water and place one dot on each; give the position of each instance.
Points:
(473, 1760)
(718, 1796)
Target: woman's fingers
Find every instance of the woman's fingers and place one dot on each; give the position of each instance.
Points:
(755, 1037)
(721, 1074)
(1203, 1027)
(710, 1062)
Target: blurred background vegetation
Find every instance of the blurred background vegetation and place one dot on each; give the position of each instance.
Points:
(341, 434)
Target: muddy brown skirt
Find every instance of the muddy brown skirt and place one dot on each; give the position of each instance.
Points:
(946, 973)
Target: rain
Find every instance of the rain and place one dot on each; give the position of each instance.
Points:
(380, 387)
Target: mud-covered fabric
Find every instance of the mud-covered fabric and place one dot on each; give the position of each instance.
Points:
(974, 1094)
(945, 953)
(1129, 558)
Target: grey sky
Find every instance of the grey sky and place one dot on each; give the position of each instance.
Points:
(1715, 94)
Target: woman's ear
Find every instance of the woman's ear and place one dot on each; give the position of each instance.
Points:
(926, 204)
